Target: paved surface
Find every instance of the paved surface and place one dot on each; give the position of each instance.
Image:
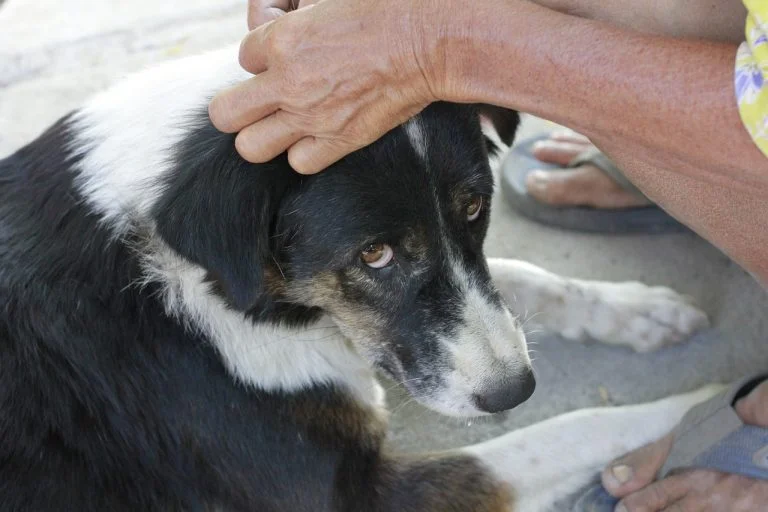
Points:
(55, 54)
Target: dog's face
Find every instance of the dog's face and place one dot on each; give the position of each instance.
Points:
(389, 242)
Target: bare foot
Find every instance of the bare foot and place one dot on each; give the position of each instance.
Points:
(581, 186)
(631, 477)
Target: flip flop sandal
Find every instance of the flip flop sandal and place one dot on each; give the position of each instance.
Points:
(710, 436)
(520, 162)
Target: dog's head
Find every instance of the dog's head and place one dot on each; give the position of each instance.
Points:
(388, 242)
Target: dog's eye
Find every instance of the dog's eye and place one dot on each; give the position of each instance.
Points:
(474, 208)
(377, 255)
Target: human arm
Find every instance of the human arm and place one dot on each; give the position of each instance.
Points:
(664, 109)
(336, 77)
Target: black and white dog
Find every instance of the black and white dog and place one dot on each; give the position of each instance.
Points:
(182, 330)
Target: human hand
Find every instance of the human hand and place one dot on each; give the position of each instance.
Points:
(329, 79)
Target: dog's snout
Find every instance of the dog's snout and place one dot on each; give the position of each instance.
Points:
(506, 394)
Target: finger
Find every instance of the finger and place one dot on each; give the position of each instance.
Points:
(560, 153)
(658, 496)
(311, 155)
(235, 108)
(253, 52)
(265, 140)
(262, 11)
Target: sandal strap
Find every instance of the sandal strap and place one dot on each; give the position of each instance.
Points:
(712, 436)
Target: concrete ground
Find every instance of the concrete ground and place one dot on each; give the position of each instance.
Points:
(53, 55)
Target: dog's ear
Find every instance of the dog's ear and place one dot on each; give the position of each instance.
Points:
(219, 211)
(504, 123)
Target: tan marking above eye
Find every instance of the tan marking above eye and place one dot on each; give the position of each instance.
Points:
(474, 208)
(377, 255)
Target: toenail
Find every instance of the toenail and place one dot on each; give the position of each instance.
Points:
(537, 180)
(622, 474)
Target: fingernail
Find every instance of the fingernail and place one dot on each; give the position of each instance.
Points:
(620, 508)
(622, 473)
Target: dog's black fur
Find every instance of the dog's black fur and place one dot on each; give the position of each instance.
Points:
(108, 402)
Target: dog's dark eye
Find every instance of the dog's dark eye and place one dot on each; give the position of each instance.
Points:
(377, 255)
(474, 208)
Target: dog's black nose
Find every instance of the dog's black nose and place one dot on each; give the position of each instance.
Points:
(506, 394)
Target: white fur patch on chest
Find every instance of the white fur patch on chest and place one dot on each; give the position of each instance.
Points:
(265, 356)
(125, 138)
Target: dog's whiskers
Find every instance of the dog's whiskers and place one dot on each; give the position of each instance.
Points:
(397, 384)
(402, 405)
(279, 267)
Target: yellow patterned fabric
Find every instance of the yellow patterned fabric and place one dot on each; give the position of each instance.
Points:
(752, 74)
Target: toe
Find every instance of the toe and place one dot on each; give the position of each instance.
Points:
(581, 186)
(571, 136)
(636, 469)
(548, 188)
(560, 152)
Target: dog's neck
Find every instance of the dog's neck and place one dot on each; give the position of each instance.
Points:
(125, 134)
(264, 355)
(123, 139)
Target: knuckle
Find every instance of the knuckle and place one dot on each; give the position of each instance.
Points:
(278, 39)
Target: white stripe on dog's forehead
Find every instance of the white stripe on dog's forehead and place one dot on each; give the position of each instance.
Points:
(418, 137)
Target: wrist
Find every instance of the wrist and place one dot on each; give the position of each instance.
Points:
(450, 49)
(478, 44)
(425, 23)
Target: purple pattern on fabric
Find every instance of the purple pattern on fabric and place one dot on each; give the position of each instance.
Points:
(748, 80)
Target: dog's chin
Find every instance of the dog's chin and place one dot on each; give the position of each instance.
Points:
(447, 405)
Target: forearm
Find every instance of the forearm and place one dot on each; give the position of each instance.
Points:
(719, 20)
(663, 108)
(669, 98)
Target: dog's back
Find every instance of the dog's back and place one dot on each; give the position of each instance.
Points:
(76, 367)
